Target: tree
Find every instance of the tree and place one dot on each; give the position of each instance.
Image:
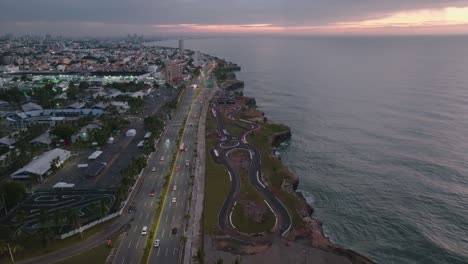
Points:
(44, 96)
(83, 85)
(153, 124)
(54, 163)
(12, 193)
(136, 104)
(72, 91)
(103, 208)
(13, 95)
(64, 131)
(73, 218)
(219, 261)
(199, 257)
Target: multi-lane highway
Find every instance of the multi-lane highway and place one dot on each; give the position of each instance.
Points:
(171, 224)
(143, 204)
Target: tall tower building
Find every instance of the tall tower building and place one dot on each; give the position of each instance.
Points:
(181, 48)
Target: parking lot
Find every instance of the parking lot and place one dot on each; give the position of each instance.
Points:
(115, 156)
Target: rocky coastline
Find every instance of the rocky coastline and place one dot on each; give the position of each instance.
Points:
(311, 232)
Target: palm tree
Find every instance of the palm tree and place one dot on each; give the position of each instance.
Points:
(47, 235)
(8, 248)
(219, 261)
(73, 217)
(199, 257)
(104, 209)
(43, 215)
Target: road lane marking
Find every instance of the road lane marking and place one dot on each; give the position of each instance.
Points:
(167, 249)
(258, 178)
(165, 191)
(230, 176)
(173, 251)
(145, 204)
(276, 218)
(159, 249)
(138, 242)
(173, 217)
(167, 217)
(230, 218)
(151, 205)
(129, 244)
(123, 260)
(162, 235)
(136, 228)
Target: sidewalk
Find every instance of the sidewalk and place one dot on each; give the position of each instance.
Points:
(194, 232)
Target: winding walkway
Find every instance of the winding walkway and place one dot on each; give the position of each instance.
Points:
(227, 144)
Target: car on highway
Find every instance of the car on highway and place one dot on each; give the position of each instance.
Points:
(177, 168)
(156, 243)
(174, 199)
(153, 169)
(174, 187)
(187, 163)
(151, 193)
(195, 116)
(162, 158)
(174, 230)
(144, 230)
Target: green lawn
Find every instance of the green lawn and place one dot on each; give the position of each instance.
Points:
(273, 168)
(249, 193)
(97, 255)
(232, 127)
(217, 184)
(36, 248)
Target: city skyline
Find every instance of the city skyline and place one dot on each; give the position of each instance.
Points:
(191, 17)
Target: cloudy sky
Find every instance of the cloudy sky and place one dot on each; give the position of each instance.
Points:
(192, 17)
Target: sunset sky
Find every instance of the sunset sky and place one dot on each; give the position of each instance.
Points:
(198, 17)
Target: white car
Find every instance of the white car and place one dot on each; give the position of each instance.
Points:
(156, 243)
(174, 200)
(162, 158)
(144, 230)
(174, 187)
(153, 169)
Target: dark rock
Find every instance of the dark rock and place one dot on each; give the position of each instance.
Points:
(281, 137)
(308, 209)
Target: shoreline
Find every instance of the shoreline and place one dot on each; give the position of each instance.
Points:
(311, 232)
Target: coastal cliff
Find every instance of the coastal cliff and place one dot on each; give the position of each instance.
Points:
(305, 229)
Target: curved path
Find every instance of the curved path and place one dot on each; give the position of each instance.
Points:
(229, 143)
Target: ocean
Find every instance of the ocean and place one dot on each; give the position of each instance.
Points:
(380, 134)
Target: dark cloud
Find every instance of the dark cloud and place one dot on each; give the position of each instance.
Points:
(151, 12)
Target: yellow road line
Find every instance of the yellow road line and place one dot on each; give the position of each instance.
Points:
(166, 191)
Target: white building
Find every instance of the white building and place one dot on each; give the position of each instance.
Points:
(40, 167)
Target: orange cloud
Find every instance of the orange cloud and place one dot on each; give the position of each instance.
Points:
(427, 17)
(449, 20)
